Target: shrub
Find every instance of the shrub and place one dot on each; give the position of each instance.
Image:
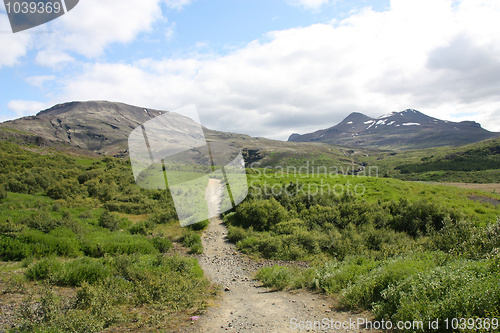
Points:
(141, 228)
(289, 227)
(190, 238)
(334, 276)
(61, 241)
(235, 234)
(109, 221)
(458, 290)
(84, 270)
(43, 269)
(68, 188)
(276, 277)
(196, 248)
(199, 225)
(162, 244)
(13, 249)
(260, 214)
(368, 288)
(98, 244)
(165, 216)
(3, 193)
(41, 221)
(419, 217)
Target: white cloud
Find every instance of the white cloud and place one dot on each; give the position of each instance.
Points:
(94, 24)
(177, 4)
(91, 27)
(309, 4)
(433, 55)
(25, 108)
(12, 46)
(53, 58)
(40, 80)
(170, 31)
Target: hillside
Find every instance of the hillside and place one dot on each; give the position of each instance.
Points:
(473, 163)
(83, 249)
(102, 128)
(99, 127)
(408, 129)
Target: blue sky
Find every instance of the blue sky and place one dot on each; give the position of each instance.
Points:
(264, 68)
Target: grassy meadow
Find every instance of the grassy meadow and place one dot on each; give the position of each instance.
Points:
(407, 251)
(84, 249)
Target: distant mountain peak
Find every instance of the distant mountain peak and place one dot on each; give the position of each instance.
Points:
(409, 128)
(356, 115)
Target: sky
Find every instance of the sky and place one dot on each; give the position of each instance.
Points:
(265, 68)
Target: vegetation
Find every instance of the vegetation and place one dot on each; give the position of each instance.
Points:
(379, 249)
(156, 287)
(82, 225)
(403, 250)
(474, 163)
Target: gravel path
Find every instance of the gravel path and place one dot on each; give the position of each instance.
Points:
(245, 305)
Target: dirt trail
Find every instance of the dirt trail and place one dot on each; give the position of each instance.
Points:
(245, 306)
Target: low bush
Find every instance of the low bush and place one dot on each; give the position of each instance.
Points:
(259, 214)
(13, 249)
(199, 225)
(3, 193)
(109, 221)
(196, 248)
(60, 241)
(276, 277)
(190, 238)
(332, 277)
(98, 244)
(367, 288)
(142, 228)
(458, 290)
(162, 244)
(106, 301)
(235, 234)
(72, 273)
(40, 220)
(44, 269)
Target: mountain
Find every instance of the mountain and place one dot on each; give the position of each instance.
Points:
(408, 129)
(102, 128)
(97, 126)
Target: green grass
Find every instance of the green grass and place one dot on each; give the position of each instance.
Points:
(406, 251)
(373, 189)
(474, 163)
(82, 224)
(156, 288)
(375, 242)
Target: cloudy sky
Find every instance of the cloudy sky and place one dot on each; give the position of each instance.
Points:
(262, 67)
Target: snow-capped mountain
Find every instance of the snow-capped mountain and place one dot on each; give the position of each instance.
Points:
(398, 130)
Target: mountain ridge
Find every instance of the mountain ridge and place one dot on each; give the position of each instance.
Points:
(98, 126)
(407, 129)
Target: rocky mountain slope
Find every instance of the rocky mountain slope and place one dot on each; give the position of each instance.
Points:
(102, 128)
(97, 126)
(408, 129)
